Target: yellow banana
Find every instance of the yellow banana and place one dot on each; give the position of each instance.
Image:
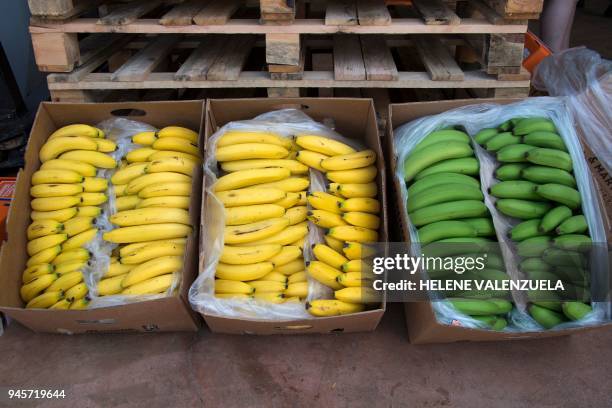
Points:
(299, 243)
(163, 154)
(36, 271)
(164, 202)
(324, 145)
(76, 292)
(303, 198)
(245, 151)
(252, 196)
(324, 273)
(244, 255)
(286, 236)
(88, 211)
(172, 164)
(106, 145)
(363, 204)
(142, 154)
(98, 159)
(141, 182)
(252, 213)
(54, 203)
(247, 178)
(55, 147)
(124, 250)
(350, 161)
(230, 286)
(77, 129)
(80, 304)
(94, 185)
(70, 266)
(143, 216)
(294, 166)
(56, 177)
(176, 144)
(63, 304)
(290, 267)
(274, 276)
(41, 228)
(55, 190)
(357, 190)
(358, 295)
(180, 132)
(352, 233)
(45, 300)
(325, 201)
(295, 215)
(326, 254)
(270, 297)
(334, 243)
(154, 267)
(65, 282)
(150, 232)
(355, 279)
(38, 244)
(84, 169)
(119, 190)
(311, 159)
(290, 200)
(152, 251)
(92, 199)
(111, 285)
(254, 232)
(44, 256)
(118, 269)
(77, 225)
(362, 175)
(291, 184)
(165, 190)
(144, 138)
(80, 240)
(299, 289)
(262, 286)
(356, 250)
(234, 137)
(78, 254)
(243, 272)
(331, 307)
(354, 265)
(241, 296)
(129, 173)
(127, 202)
(56, 215)
(286, 255)
(297, 277)
(34, 287)
(325, 219)
(362, 219)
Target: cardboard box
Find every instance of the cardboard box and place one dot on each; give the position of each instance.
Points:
(421, 321)
(166, 314)
(353, 118)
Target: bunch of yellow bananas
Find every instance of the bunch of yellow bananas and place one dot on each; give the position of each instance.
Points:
(66, 199)
(152, 191)
(264, 195)
(348, 211)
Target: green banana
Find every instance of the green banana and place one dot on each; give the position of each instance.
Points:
(433, 154)
(523, 190)
(549, 140)
(509, 172)
(466, 165)
(553, 218)
(572, 274)
(573, 225)
(494, 322)
(561, 257)
(503, 305)
(466, 244)
(493, 261)
(530, 125)
(482, 294)
(549, 157)
(534, 264)
(502, 140)
(446, 135)
(443, 193)
(492, 275)
(514, 153)
(483, 226)
(576, 292)
(545, 317)
(573, 242)
(441, 178)
(545, 296)
(522, 209)
(542, 275)
(534, 246)
(448, 211)
(475, 307)
(485, 135)
(554, 305)
(525, 229)
(543, 175)
(506, 126)
(445, 229)
(576, 310)
(560, 194)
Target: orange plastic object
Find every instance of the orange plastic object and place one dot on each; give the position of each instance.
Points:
(7, 188)
(537, 51)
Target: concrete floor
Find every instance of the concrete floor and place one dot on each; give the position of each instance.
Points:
(379, 369)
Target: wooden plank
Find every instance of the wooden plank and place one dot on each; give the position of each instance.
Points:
(293, 72)
(437, 59)
(487, 12)
(217, 12)
(276, 6)
(512, 8)
(504, 50)
(55, 52)
(341, 12)
(145, 61)
(93, 43)
(348, 59)
(182, 14)
(283, 92)
(377, 58)
(283, 49)
(201, 59)
(59, 9)
(129, 12)
(436, 12)
(73, 96)
(523, 75)
(373, 13)
(229, 64)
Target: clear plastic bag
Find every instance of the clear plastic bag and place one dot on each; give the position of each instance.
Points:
(585, 80)
(286, 123)
(473, 118)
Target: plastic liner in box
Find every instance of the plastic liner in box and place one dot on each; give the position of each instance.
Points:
(473, 118)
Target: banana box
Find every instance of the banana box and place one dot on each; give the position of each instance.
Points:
(170, 313)
(352, 118)
(423, 326)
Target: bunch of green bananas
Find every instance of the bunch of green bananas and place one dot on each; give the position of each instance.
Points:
(537, 186)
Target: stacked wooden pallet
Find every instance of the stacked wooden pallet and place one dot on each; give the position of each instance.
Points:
(155, 44)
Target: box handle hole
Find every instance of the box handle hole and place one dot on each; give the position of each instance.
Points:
(128, 112)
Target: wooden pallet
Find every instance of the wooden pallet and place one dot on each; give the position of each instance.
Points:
(223, 61)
